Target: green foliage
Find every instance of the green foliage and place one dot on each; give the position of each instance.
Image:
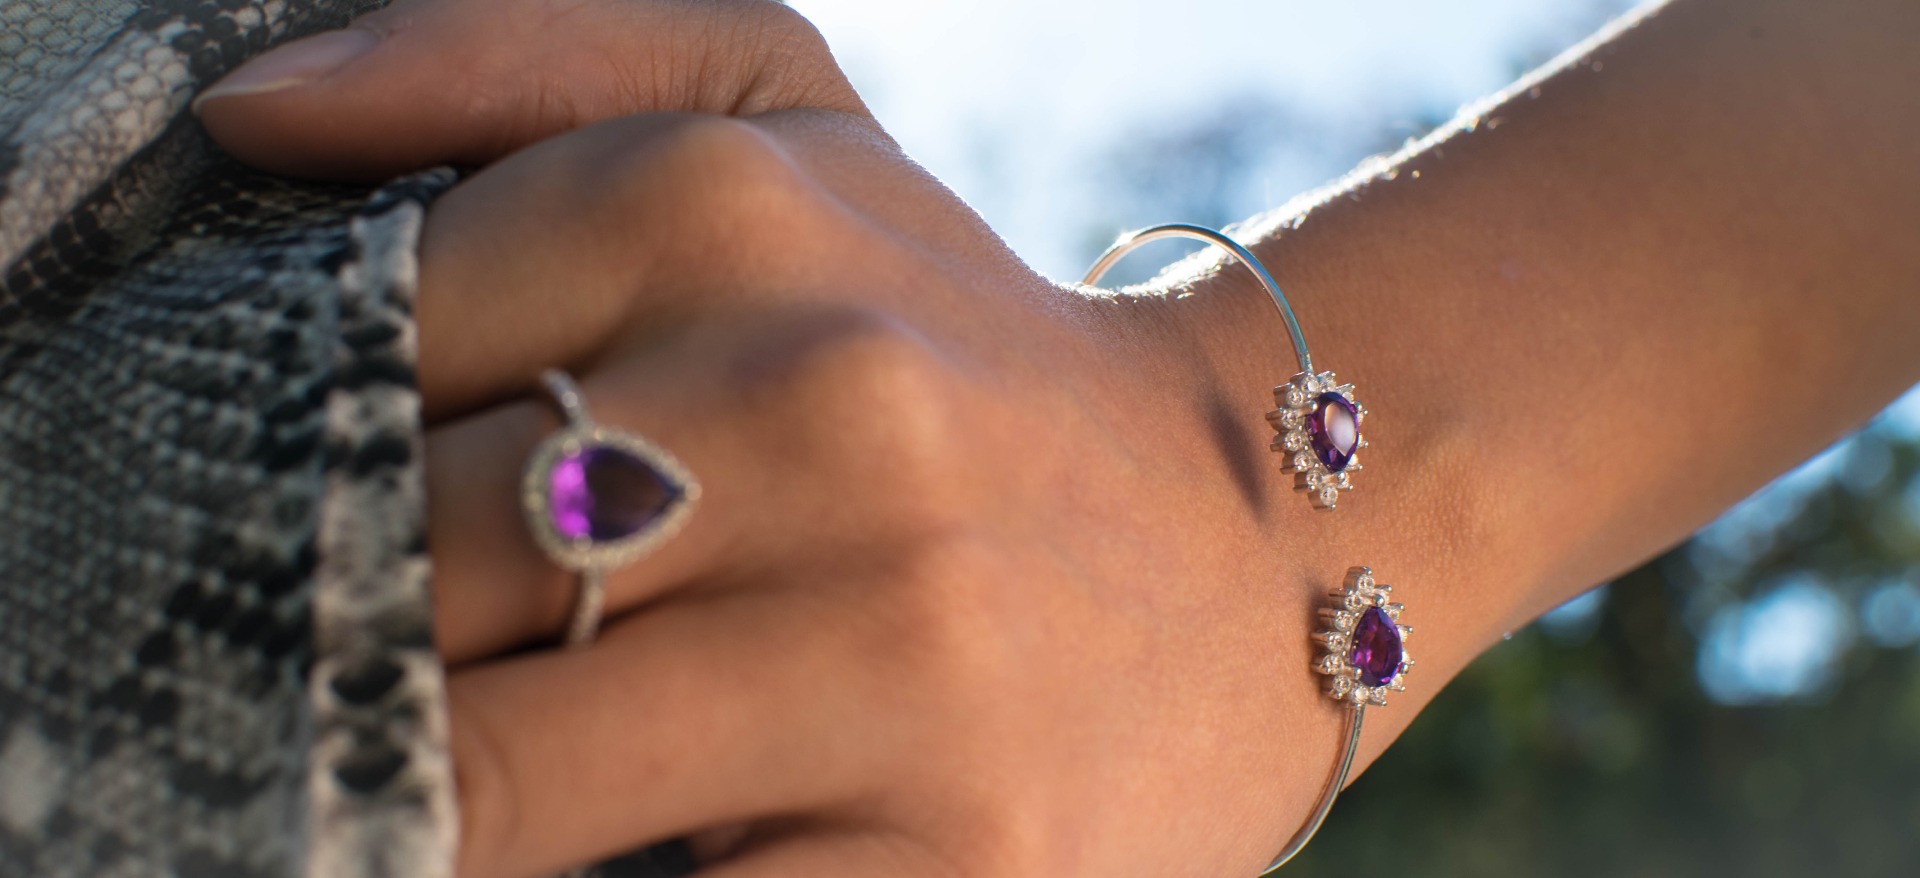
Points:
(1598, 753)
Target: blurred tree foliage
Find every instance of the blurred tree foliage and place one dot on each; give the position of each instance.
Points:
(1598, 752)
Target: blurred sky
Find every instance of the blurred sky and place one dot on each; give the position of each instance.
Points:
(1020, 106)
(1014, 102)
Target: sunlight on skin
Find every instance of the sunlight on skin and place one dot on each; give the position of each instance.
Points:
(1904, 415)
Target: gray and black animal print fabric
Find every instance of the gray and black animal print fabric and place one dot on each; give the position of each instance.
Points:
(216, 653)
(216, 650)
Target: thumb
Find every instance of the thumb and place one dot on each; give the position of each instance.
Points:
(464, 82)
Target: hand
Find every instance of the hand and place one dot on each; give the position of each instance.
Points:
(948, 607)
(992, 578)
(989, 578)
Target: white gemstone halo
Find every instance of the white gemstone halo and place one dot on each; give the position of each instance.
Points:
(1294, 438)
(1346, 620)
(581, 554)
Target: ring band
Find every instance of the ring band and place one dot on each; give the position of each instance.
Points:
(598, 498)
(1366, 657)
(1316, 419)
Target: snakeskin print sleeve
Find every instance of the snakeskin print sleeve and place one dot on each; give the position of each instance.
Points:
(216, 650)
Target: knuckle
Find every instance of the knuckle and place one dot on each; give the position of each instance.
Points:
(711, 173)
(1021, 843)
(859, 393)
(790, 37)
(706, 144)
(779, 60)
(780, 25)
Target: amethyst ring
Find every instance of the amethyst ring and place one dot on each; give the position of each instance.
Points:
(1316, 421)
(597, 498)
(1365, 658)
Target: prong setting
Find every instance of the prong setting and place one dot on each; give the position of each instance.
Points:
(1382, 640)
(583, 554)
(1317, 427)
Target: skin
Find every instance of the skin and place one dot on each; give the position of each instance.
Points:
(994, 576)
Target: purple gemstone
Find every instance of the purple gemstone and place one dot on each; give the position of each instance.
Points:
(604, 493)
(1376, 648)
(1334, 428)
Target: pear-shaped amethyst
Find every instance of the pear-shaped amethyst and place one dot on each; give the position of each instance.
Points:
(604, 493)
(1334, 429)
(1376, 648)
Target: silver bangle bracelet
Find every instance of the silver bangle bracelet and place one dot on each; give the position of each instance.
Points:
(1317, 425)
(1365, 658)
(1316, 419)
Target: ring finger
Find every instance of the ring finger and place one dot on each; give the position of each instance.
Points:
(495, 589)
(772, 412)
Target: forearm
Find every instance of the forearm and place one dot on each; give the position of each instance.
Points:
(1631, 293)
(1687, 265)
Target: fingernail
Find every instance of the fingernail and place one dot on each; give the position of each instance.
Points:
(296, 63)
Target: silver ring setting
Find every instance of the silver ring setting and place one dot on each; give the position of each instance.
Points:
(598, 498)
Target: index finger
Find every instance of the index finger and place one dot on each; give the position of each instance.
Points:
(464, 82)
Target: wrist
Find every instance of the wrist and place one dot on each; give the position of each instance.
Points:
(1218, 348)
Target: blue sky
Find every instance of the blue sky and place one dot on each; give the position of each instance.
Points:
(1014, 102)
